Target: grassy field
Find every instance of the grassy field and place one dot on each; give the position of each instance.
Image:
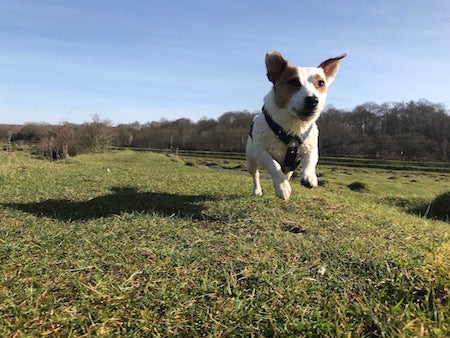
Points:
(142, 244)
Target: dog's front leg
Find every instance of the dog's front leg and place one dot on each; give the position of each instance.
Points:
(308, 176)
(279, 178)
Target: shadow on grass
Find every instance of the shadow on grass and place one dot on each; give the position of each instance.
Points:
(438, 208)
(122, 199)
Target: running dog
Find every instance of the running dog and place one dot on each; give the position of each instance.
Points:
(284, 135)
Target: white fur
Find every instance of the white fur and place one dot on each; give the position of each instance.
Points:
(264, 149)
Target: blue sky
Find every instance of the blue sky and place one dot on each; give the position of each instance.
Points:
(136, 60)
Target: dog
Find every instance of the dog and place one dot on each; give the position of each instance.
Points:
(284, 135)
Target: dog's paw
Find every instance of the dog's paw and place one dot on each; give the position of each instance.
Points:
(283, 190)
(310, 181)
(257, 191)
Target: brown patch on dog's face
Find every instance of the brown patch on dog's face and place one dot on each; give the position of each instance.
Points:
(320, 84)
(285, 78)
(287, 85)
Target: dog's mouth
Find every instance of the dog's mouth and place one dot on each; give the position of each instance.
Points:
(304, 114)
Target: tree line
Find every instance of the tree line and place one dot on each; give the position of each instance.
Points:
(416, 130)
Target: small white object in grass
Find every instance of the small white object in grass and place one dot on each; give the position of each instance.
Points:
(321, 271)
(108, 170)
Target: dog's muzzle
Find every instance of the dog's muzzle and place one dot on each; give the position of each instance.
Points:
(309, 107)
(311, 103)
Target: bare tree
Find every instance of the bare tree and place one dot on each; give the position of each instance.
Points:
(96, 135)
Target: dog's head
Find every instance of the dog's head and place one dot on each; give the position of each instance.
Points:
(302, 90)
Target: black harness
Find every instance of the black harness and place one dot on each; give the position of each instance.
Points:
(292, 142)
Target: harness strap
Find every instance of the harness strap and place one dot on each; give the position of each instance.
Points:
(293, 142)
(279, 131)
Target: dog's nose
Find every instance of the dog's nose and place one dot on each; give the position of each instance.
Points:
(311, 102)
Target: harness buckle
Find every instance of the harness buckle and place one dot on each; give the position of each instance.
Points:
(290, 158)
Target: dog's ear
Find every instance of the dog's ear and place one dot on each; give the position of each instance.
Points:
(275, 65)
(331, 66)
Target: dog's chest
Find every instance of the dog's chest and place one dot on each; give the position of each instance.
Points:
(292, 151)
(265, 139)
(287, 155)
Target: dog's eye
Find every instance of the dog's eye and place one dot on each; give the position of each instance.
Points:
(320, 83)
(295, 82)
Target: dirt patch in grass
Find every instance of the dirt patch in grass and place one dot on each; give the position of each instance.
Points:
(358, 186)
(293, 228)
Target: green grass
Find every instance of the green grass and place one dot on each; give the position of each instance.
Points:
(131, 243)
